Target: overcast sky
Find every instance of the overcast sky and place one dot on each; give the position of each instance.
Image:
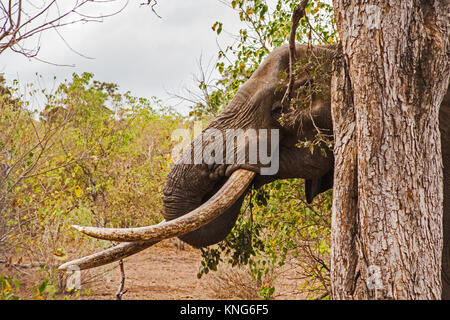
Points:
(135, 49)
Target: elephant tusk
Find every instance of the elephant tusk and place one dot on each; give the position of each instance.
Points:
(110, 255)
(214, 207)
(123, 250)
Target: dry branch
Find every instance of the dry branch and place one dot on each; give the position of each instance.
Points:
(120, 291)
(21, 21)
(299, 12)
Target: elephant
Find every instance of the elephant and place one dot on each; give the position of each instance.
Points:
(202, 200)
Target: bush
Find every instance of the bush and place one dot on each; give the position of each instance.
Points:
(276, 224)
(93, 156)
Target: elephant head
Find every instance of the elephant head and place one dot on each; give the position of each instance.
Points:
(203, 195)
(257, 113)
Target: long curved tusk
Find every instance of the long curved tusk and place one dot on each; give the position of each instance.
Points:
(107, 256)
(219, 203)
(101, 258)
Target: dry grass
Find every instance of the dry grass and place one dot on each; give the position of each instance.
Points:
(290, 282)
(235, 283)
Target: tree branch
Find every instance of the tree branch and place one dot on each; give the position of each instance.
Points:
(22, 20)
(299, 12)
(152, 6)
(120, 291)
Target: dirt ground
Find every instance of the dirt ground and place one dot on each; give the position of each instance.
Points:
(160, 272)
(165, 272)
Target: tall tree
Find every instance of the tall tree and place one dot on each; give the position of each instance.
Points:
(386, 91)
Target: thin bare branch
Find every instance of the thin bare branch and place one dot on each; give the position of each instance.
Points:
(120, 291)
(152, 4)
(23, 20)
(299, 12)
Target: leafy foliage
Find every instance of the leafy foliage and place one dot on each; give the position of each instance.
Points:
(8, 286)
(276, 225)
(264, 28)
(93, 156)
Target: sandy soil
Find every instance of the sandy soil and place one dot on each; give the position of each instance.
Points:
(165, 272)
(160, 272)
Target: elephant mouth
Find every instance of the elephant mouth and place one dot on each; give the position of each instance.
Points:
(138, 239)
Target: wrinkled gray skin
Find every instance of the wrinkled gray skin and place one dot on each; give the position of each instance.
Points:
(257, 106)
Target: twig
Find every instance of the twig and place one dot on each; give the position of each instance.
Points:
(149, 3)
(120, 292)
(299, 12)
(323, 296)
(25, 265)
(22, 20)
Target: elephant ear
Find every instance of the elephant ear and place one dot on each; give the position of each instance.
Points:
(315, 186)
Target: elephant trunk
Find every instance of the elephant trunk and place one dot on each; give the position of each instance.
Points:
(187, 188)
(219, 203)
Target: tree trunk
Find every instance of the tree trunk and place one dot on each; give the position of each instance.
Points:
(388, 191)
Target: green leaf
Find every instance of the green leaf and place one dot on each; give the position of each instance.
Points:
(43, 285)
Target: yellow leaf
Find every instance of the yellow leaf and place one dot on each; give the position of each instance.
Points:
(7, 287)
(59, 254)
(78, 191)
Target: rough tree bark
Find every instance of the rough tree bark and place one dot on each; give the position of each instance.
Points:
(386, 91)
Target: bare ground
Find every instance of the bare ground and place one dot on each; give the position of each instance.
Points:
(160, 272)
(165, 272)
